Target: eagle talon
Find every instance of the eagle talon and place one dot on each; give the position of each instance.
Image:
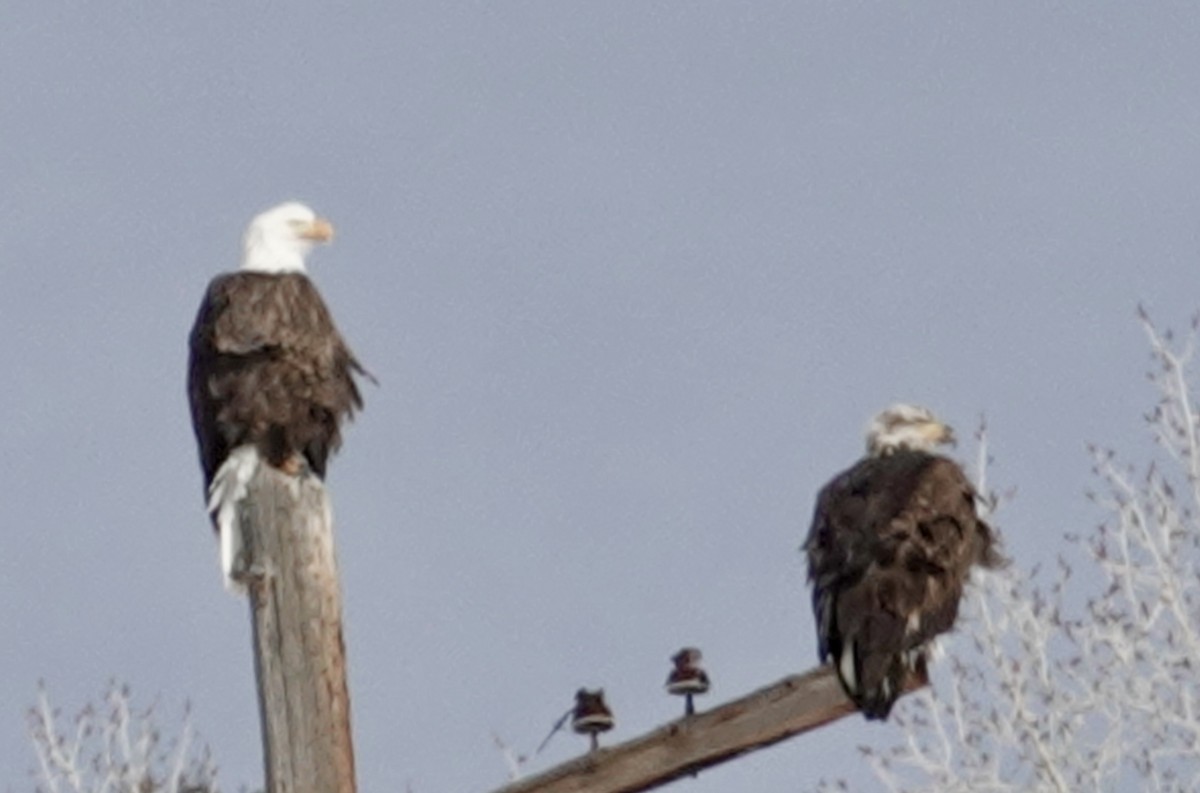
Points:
(254, 575)
(252, 579)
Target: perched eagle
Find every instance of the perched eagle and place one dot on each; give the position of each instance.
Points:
(892, 542)
(269, 376)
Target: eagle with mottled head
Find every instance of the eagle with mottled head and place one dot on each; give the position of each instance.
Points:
(270, 378)
(892, 544)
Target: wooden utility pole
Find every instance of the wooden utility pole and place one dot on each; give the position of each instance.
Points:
(299, 655)
(789, 707)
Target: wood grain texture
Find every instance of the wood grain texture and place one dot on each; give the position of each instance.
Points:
(300, 659)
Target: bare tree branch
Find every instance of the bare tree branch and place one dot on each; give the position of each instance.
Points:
(1083, 682)
(115, 750)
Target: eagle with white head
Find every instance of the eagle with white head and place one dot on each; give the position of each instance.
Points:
(270, 379)
(892, 544)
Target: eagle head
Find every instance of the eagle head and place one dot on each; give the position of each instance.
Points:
(279, 240)
(905, 426)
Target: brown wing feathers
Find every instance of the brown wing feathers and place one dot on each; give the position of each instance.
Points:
(269, 367)
(891, 546)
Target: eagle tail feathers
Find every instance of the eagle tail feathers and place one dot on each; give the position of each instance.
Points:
(232, 548)
(876, 683)
(228, 489)
(848, 670)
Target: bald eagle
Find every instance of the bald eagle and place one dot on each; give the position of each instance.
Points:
(892, 543)
(270, 379)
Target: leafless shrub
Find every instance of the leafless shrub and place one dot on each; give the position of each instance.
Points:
(113, 749)
(1081, 679)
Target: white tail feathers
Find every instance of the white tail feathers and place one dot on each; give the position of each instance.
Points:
(229, 487)
(846, 668)
(934, 649)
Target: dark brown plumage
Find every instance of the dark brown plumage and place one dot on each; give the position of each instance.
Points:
(268, 367)
(892, 544)
(270, 379)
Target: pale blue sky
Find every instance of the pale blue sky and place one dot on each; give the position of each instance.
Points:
(632, 275)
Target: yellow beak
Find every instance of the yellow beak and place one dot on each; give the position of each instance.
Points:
(947, 437)
(320, 230)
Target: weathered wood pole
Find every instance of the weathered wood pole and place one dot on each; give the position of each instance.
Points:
(782, 710)
(299, 654)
